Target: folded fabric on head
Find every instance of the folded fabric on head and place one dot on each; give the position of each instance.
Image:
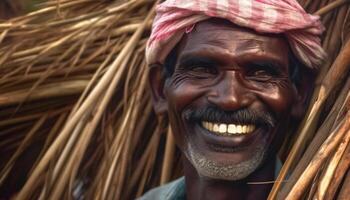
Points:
(301, 29)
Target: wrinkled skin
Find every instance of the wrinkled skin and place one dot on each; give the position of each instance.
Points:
(231, 69)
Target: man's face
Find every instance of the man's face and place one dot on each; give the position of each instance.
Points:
(229, 98)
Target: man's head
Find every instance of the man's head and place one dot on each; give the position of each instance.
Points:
(229, 92)
(229, 97)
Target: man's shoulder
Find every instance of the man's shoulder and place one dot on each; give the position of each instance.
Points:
(174, 190)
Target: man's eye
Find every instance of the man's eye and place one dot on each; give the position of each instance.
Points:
(261, 73)
(203, 69)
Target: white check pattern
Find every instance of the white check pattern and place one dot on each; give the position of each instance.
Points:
(266, 16)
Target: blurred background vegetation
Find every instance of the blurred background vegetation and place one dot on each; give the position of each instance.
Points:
(13, 8)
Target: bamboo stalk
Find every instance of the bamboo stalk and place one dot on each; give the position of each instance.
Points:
(339, 174)
(126, 152)
(47, 91)
(332, 166)
(92, 97)
(327, 147)
(314, 185)
(344, 192)
(53, 132)
(107, 185)
(331, 6)
(45, 11)
(337, 72)
(147, 168)
(5, 171)
(333, 119)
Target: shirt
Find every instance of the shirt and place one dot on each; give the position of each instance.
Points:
(176, 190)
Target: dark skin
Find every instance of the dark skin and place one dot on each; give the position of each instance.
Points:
(230, 68)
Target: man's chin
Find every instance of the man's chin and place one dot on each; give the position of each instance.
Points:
(214, 167)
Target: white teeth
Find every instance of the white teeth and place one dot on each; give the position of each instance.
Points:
(222, 128)
(215, 128)
(228, 129)
(244, 129)
(210, 126)
(205, 125)
(231, 129)
(250, 129)
(239, 129)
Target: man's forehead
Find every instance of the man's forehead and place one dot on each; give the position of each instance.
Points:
(224, 35)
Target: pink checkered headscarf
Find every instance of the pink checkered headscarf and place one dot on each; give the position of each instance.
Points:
(265, 16)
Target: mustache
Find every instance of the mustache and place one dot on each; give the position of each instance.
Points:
(242, 116)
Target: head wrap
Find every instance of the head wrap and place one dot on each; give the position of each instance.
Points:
(301, 29)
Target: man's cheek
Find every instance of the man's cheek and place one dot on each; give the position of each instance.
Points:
(183, 96)
(180, 98)
(279, 100)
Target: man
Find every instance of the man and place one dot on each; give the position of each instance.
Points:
(231, 76)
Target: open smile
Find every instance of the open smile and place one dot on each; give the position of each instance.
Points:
(228, 129)
(228, 137)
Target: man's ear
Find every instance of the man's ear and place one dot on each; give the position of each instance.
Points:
(156, 81)
(304, 89)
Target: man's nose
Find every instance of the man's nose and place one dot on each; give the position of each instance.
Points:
(230, 93)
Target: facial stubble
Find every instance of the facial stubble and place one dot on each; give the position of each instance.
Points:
(228, 170)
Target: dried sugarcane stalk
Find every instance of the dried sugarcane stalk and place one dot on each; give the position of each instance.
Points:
(330, 7)
(344, 192)
(325, 181)
(333, 119)
(327, 147)
(339, 174)
(337, 72)
(59, 68)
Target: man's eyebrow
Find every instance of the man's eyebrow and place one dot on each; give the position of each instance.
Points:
(210, 59)
(190, 60)
(268, 61)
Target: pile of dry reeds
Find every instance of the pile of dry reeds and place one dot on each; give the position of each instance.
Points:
(9, 8)
(76, 118)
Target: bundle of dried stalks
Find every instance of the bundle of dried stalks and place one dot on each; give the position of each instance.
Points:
(9, 8)
(73, 84)
(76, 117)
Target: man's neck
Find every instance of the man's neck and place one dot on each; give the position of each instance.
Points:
(251, 188)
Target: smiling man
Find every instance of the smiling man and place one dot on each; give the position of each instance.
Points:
(231, 76)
